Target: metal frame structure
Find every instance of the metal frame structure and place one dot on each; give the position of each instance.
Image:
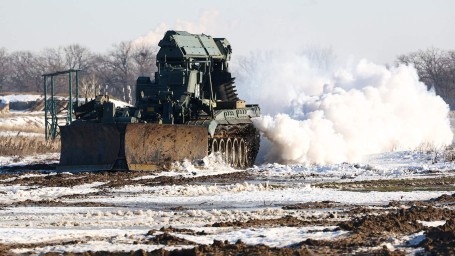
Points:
(50, 112)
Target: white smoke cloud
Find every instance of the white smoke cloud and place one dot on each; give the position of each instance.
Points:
(340, 114)
(204, 24)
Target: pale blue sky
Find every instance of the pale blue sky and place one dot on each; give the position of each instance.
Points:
(378, 30)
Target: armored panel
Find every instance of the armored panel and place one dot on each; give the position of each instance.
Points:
(190, 46)
(225, 47)
(178, 44)
(210, 46)
(148, 146)
(89, 146)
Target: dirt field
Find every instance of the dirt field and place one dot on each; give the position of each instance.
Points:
(398, 227)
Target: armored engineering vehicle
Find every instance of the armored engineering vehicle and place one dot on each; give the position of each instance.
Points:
(191, 109)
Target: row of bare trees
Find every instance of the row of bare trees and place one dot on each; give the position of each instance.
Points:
(436, 68)
(117, 69)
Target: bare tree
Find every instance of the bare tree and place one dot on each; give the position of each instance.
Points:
(103, 72)
(4, 68)
(25, 72)
(435, 68)
(77, 57)
(118, 68)
(119, 62)
(144, 57)
(51, 60)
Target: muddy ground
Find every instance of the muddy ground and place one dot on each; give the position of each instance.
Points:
(368, 228)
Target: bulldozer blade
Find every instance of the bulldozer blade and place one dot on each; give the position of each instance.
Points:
(150, 146)
(89, 147)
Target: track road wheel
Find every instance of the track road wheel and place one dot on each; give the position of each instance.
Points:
(214, 148)
(229, 152)
(241, 154)
(222, 149)
(235, 153)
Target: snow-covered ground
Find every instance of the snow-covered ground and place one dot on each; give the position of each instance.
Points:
(130, 211)
(399, 164)
(50, 158)
(19, 97)
(23, 118)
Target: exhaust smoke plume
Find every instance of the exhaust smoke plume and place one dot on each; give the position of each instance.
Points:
(321, 114)
(204, 24)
